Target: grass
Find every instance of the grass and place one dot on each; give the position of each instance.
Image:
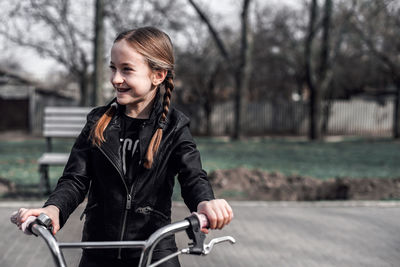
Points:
(18, 160)
(352, 157)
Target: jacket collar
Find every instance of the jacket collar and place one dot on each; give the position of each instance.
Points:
(112, 144)
(155, 110)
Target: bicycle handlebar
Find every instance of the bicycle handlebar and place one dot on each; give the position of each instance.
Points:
(41, 226)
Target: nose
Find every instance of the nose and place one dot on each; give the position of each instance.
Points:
(116, 77)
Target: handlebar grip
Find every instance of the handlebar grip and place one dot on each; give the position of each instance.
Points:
(13, 217)
(203, 220)
(25, 226)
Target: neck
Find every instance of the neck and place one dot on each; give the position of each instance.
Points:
(140, 110)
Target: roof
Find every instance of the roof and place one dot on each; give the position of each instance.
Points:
(18, 85)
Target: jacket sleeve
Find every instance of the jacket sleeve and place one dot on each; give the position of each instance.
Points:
(195, 186)
(74, 183)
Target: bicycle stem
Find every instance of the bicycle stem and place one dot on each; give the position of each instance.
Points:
(151, 243)
(42, 231)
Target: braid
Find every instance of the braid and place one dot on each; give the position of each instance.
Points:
(169, 86)
(156, 139)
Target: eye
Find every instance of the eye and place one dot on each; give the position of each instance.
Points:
(127, 69)
(112, 67)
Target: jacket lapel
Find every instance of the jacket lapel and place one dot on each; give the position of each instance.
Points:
(112, 145)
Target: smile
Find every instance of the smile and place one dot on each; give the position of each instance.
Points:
(122, 90)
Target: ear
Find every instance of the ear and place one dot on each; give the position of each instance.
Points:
(158, 76)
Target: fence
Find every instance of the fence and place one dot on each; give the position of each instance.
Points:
(352, 117)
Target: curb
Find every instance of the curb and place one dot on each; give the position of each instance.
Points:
(269, 204)
(306, 204)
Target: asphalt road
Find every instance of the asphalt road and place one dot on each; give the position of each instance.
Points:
(267, 234)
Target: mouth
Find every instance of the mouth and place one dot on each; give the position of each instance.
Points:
(122, 90)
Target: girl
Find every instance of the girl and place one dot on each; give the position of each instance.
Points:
(127, 156)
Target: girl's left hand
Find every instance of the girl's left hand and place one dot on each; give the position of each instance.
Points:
(218, 212)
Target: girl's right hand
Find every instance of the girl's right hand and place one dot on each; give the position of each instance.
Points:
(52, 211)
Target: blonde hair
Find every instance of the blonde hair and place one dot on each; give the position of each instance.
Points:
(156, 47)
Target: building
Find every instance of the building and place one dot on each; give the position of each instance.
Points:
(22, 101)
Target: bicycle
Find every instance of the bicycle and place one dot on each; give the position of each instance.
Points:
(42, 226)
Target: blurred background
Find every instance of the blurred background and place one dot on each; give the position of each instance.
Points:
(282, 95)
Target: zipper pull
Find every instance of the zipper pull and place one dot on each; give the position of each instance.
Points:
(147, 209)
(144, 210)
(128, 202)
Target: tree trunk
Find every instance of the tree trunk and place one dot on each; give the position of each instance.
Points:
(396, 113)
(97, 94)
(313, 105)
(315, 111)
(242, 77)
(208, 111)
(83, 87)
(326, 113)
(242, 72)
(319, 82)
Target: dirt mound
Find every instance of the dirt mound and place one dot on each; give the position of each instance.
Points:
(244, 184)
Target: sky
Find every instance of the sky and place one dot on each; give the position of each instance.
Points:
(39, 68)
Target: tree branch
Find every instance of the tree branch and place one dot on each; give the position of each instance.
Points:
(212, 30)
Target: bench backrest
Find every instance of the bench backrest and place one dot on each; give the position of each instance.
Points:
(64, 121)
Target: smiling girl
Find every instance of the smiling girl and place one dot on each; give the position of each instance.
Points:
(127, 156)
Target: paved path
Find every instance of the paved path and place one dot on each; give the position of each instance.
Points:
(267, 233)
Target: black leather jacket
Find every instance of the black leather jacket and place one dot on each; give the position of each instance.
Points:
(114, 211)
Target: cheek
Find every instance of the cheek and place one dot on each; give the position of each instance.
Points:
(111, 78)
(143, 84)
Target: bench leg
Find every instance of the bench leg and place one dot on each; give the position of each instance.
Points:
(44, 184)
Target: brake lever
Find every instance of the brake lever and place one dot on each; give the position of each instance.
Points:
(208, 247)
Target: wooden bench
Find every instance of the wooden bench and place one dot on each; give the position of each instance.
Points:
(58, 122)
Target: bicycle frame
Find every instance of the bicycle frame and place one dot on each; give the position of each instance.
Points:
(192, 225)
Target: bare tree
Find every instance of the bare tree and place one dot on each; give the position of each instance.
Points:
(64, 31)
(378, 24)
(242, 70)
(98, 75)
(277, 54)
(128, 14)
(203, 75)
(52, 29)
(318, 78)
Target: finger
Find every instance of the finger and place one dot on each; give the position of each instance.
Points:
(229, 211)
(56, 227)
(226, 216)
(220, 205)
(220, 218)
(205, 230)
(30, 212)
(212, 218)
(20, 212)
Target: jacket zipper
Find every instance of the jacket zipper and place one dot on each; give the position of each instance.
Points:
(148, 209)
(128, 200)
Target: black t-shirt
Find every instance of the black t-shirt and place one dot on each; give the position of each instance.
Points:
(130, 153)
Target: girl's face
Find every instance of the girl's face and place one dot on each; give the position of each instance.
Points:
(131, 76)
